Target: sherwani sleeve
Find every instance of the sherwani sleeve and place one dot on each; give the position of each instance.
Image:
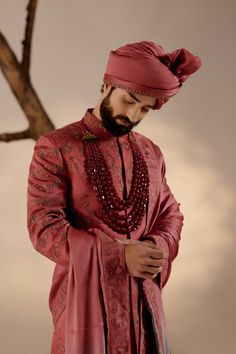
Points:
(47, 198)
(165, 231)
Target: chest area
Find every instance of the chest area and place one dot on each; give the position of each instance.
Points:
(113, 171)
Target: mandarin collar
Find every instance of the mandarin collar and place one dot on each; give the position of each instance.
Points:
(94, 125)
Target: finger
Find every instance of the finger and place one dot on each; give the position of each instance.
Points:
(156, 253)
(127, 242)
(146, 275)
(149, 244)
(154, 262)
(149, 241)
(152, 270)
(130, 242)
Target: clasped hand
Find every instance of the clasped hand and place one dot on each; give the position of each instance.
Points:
(143, 259)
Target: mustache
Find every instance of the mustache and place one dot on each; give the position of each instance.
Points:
(125, 118)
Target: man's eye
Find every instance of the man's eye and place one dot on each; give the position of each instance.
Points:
(127, 101)
(145, 109)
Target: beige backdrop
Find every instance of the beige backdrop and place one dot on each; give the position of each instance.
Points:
(196, 132)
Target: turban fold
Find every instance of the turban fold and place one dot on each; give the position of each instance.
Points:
(145, 68)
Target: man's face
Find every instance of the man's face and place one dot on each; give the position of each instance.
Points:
(121, 110)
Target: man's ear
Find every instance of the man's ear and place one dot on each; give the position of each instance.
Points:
(107, 89)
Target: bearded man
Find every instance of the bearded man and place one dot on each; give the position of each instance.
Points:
(99, 206)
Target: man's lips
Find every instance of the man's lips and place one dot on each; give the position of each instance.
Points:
(123, 122)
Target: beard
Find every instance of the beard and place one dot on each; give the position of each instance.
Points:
(110, 122)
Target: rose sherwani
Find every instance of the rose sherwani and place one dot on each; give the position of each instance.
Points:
(97, 307)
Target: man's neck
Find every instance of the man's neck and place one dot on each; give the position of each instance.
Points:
(96, 111)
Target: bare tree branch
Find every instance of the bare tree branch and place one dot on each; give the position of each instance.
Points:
(24, 92)
(18, 78)
(7, 137)
(31, 9)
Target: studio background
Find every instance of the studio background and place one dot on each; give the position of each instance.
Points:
(195, 131)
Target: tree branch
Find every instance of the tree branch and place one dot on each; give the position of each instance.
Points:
(24, 92)
(18, 78)
(7, 137)
(31, 9)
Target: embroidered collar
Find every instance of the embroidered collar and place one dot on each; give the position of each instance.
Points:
(95, 128)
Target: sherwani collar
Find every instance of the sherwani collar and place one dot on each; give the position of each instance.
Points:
(95, 127)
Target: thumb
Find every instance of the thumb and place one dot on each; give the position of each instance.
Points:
(127, 242)
(149, 244)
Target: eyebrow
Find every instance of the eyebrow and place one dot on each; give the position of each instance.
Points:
(137, 100)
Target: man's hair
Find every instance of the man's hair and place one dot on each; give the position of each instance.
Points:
(102, 88)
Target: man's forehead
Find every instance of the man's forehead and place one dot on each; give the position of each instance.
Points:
(147, 100)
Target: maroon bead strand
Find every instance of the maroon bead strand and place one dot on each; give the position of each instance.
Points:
(101, 179)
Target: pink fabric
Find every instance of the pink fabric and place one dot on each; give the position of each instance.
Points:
(94, 302)
(144, 67)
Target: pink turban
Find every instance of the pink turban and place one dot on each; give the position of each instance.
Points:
(145, 68)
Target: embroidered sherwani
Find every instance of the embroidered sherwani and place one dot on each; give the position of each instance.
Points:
(97, 307)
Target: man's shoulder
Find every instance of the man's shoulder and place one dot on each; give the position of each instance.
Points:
(71, 132)
(145, 142)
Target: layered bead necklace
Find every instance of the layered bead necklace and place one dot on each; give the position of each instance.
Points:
(122, 216)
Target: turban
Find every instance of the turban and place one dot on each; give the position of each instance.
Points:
(145, 68)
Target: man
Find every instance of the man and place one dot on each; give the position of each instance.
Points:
(99, 206)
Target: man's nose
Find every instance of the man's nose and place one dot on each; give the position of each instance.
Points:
(133, 114)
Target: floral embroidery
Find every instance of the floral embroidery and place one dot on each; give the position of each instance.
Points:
(116, 296)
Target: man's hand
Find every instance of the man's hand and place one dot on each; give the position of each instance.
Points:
(143, 259)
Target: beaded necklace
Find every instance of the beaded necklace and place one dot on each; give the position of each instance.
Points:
(112, 208)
